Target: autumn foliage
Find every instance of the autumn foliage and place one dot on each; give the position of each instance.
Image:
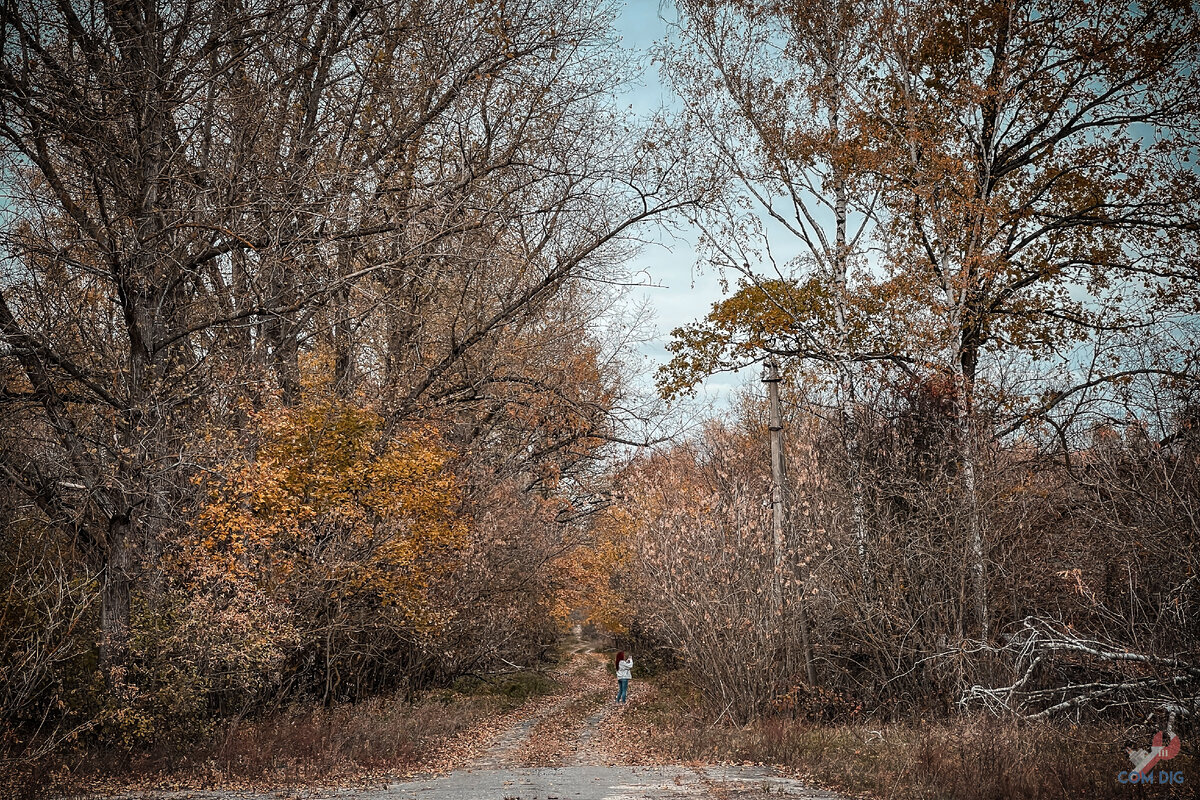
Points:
(967, 231)
(310, 359)
(316, 355)
(348, 533)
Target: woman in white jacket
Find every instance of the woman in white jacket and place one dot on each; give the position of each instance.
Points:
(624, 674)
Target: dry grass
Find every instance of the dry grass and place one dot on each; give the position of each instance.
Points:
(953, 759)
(351, 745)
(365, 744)
(343, 742)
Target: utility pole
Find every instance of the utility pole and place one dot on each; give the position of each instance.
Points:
(778, 516)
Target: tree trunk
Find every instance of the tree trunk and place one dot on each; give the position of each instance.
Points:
(344, 372)
(841, 268)
(285, 355)
(115, 597)
(858, 492)
(976, 556)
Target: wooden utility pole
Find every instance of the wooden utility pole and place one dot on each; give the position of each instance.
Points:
(778, 516)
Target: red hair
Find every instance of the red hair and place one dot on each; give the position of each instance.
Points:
(620, 657)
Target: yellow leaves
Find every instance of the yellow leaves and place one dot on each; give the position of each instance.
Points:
(588, 575)
(771, 314)
(328, 509)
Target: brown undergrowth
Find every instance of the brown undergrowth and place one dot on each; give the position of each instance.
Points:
(364, 744)
(967, 758)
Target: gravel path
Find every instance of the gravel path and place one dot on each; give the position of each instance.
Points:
(578, 782)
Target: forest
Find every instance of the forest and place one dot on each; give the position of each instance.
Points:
(322, 379)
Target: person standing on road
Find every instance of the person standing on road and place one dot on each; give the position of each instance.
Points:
(624, 674)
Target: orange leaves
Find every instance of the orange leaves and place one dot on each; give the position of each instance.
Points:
(588, 577)
(327, 512)
(764, 315)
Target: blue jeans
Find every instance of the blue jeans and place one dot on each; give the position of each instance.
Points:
(622, 689)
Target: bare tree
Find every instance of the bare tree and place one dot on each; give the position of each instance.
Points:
(1035, 153)
(775, 90)
(199, 193)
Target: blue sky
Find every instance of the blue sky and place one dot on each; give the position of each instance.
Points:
(685, 294)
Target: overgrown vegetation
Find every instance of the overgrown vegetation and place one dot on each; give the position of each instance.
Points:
(315, 381)
(303, 387)
(967, 234)
(380, 739)
(972, 757)
(1094, 618)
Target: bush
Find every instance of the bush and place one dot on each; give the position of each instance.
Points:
(965, 758)
(515, 688)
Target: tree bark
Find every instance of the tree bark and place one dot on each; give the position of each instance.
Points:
(115, 597)
(841, 268)
(976, 553)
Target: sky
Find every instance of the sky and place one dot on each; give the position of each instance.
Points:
(681, 293)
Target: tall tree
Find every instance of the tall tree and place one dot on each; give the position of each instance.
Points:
(1036, 158)
(1037, 201)
(776, 90)
(199, 192)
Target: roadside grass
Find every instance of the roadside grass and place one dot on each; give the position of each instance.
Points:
(308, 744)
(961, 758)
(351, 744)
(510, 690)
